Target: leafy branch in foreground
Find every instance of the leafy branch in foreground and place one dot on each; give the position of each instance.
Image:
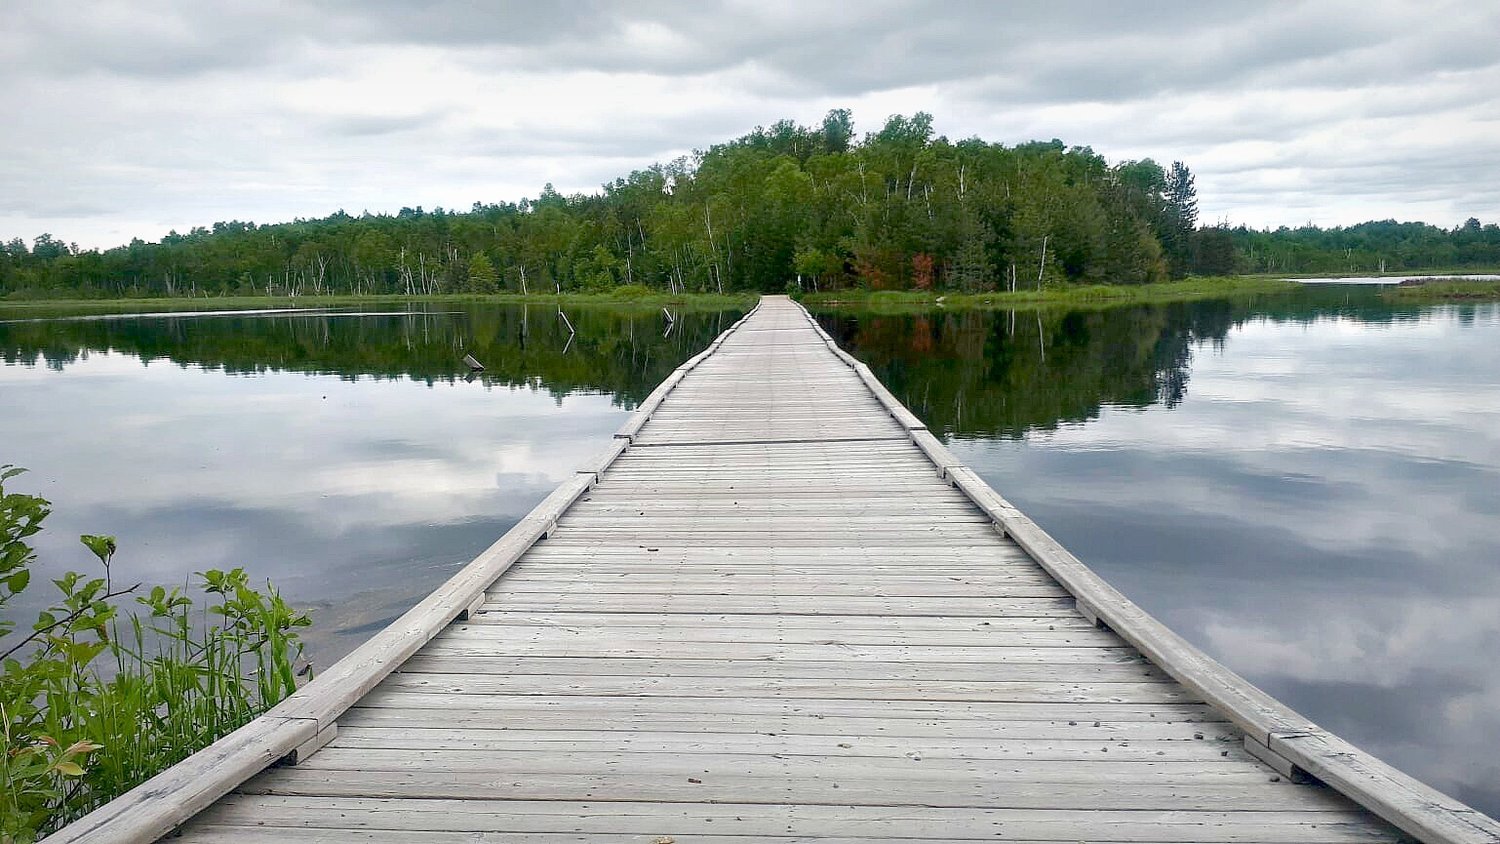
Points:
(94, 701)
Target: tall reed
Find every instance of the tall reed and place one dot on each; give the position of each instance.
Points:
(98, 695)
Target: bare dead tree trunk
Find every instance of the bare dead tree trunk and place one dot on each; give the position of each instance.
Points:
(1043, 264)
(713, 249)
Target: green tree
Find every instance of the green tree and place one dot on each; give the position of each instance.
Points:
(482, 275)
(1181, 212)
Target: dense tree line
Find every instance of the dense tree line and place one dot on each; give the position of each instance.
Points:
(1373, 247)
(811, 206)
(900, 208)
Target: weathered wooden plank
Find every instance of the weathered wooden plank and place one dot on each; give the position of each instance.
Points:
(1058, 654)
(779, 605)
(477, 723)
(599, 707)
(786, 744)
(644, 762)
(840, 688)
(804, 669)
(781, 584)
(891, 624)
(217, 834)
(639, 633)
(958, 791)
(931, 823)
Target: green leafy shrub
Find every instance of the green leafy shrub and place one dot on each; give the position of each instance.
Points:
(94, 701)
(632, 291)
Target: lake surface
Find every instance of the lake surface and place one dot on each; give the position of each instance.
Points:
(1306, 486)
(1391, 279)
(342, 455)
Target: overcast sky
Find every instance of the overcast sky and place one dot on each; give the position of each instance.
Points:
(125, 119)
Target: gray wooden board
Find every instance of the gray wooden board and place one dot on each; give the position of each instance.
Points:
(752, 584)
(455, 745)
(872, 822)
(891, 624)
(558, 547)
(475, 725)
(956, 791)
(775, 605)
(714, 708)
(775, 651)
(644, 632)
(263, 834)
(646, 762)
(840, 688)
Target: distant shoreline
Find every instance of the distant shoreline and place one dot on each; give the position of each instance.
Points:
(1437, 287)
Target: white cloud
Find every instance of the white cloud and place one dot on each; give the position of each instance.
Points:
(131, 119)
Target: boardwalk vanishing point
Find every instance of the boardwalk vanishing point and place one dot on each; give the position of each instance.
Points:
(778, 610)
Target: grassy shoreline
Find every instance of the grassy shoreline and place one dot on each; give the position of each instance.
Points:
(1080, 296)
(1191, 288)
(653, 301)
(1102, 295)
(1444, 290)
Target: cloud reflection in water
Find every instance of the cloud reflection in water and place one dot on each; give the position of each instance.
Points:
(355, 496)
(1319, 513)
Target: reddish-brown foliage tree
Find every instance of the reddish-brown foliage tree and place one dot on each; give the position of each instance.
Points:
(921, 267)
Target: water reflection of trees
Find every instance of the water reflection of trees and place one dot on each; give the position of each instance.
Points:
(622, 352)
(1003, 373)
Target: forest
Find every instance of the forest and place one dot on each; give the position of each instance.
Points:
(784, 207)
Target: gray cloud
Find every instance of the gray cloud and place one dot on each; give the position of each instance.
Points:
(131, 119)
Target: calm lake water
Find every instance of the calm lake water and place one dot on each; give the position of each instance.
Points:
(342, 455)
(1307, 486)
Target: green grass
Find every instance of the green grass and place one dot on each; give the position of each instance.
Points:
(627, 297)
(1444, 290)
(1440, 272)
(1101, 295)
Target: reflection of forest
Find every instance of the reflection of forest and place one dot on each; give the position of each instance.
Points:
(622, 352)
(1003, 373)
(964, 372)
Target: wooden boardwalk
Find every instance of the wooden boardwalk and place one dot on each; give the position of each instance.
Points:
(777, 610)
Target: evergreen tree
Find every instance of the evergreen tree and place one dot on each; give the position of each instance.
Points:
(1181, 217)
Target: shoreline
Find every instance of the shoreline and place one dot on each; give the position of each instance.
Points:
(1101, 295)
(1440, 289)
(696, 301)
